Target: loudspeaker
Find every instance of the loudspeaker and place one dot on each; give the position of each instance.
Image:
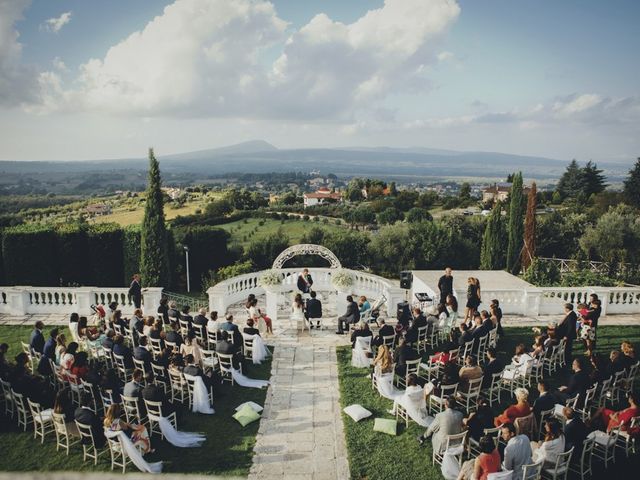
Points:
(403, 311)
(406, 279)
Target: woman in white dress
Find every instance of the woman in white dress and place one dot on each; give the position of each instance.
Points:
(552, 445)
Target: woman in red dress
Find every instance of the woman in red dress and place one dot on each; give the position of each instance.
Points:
(607, 418)
(520, 409)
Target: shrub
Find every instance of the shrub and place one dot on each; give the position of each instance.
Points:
(130, 252)
(73, 255)
(28, 252)
(106, 258)
(305, 218)
(542, 273)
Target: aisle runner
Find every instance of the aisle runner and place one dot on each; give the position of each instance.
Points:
(301, 433)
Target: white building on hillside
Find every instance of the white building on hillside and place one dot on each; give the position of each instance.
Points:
(322, 196)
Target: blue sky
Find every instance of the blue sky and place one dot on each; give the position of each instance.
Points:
(547, 77)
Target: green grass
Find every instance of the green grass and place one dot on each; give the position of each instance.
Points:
(244, 233)
(228, 450)
(377, 456)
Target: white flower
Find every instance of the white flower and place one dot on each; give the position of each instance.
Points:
(342, 280)
(270, 279)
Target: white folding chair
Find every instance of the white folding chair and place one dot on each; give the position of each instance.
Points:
(154, 412)
(119, 457)
(65, 433)
(89, 449)
(452, 443)
(583, 466)
(42, 420)
(604, 447)
(22, 409)
(561, 467)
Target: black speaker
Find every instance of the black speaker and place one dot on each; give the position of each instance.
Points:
(403, 311)
(406, 279)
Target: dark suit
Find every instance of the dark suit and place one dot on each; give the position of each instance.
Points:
(445, 285)
(543, 402)
(313, 309)
(567, 328)
(494, 366)
(384, 331)
(464, 338)
(124, 351)
(230, 348)
(304, 286)
(400, 357)
(575, 432)
(200, 320)
(196, 371)
(351, 316)
(579, 382)
(86, 416)
(135, 290)
(144, 355)
(251, 331)
(174, 337)
(412, 333)
(154, 393)
(48, 352)
(36, 342)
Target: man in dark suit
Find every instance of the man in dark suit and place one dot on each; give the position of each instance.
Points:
(195, 371)
(142, 353)
(173, 335)
(578, 383)
(48, 353)
(313, 309)
(492, 366)
(445, 285)
(201, 319)
(250, 328)
(119, 348)
(575, 431)
(351, 316)
(36, 341)
(155, 393)
(186, 315)
(223, 345)
(385, 331)
(465, 335)
(419, 321)
(305, 281)
(85, 415)
(108, 341)
(135, 291)
(232, 329)
(546, 400)
(401, 354)
(567, 330)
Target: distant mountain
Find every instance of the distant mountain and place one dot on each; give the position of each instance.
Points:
(252, 146)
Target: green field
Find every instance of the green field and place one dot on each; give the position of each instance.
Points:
(377, 456)
(244, 233)
(228, 450)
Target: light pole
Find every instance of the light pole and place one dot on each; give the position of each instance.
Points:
(186, 254)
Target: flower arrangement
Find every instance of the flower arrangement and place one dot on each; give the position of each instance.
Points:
(342, 280)
(270, 279)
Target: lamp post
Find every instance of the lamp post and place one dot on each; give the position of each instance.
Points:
(186, 254)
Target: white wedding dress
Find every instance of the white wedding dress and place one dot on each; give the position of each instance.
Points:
(414, 403)
(177, 438)
(200, 403)
(259, 351)
(361, 353)
(132, 452)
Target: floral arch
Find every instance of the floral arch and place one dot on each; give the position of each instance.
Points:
(306, 249)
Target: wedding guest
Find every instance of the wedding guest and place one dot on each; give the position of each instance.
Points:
(384, 331)
(578, 383)
(487, 462)
(85, 415)
(496, 312)
(469, 371)
(383, 363)
(477, 421)
(517, 452)
(575, 431)
(163, 309)
(606, 419)
(135, 290)
(473, 297)
(520, 409)
(362, 331)
(445, 285)
(401, 354)
(447, 422)
(201, 318)
(363, 304)
(546, 399)
(213, 325)
(553, 444)
(36, 341)
(191, 347)
(137, 433)
(494, 365)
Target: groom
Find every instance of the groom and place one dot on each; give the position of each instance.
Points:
(305, 281)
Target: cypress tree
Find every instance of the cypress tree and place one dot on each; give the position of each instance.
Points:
(492, 251)
(154, 258)
(516, 225)
(529, 251)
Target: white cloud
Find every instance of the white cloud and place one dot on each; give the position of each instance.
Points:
(576, 104)
(59, 65)
(202, 58)
(444, 56)
(54, 25)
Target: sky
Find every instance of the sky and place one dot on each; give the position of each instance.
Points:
(90, 79)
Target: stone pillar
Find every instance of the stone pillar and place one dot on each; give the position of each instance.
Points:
(84, 298)
(216, 300)
(151, 297)
(272, 304)
(18, 300)
(532, 298)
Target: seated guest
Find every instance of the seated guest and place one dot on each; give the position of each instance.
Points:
(361, 331)
(111, 383)
(419, 321)
(213, 325)
(465, 335)
(449, 377)
(575, 431)
(173, 313)
(173, 335)
(164, 357)
(607, 419)
(537, 347)
(628, 355)
(26, 384)
(61, 345)
(517, 452)
(313, 309)
(156, 393)
(201, 318)
(350, 317)
(192, 368)
(107, 342)
(231, 328)
(363, 304)
(520, 409)
(86, 416)
(80, 366)
(545, 401)
(163, 310)
(477, 421)
(223, 345)
(176, 365)
(492, 366)
(133, 388)
(616, 363)
(191, 347)
(149, 323)
(156, 332)
(69, 355)
(119, 348)
(36, 341)
(383, 363)
(142, 353)
(401, 354)
(5, 368)
(186, 315)
(250, 329)
(470, 371)
(447, 422)
(136, 324)
(119, 321)
(48, 353)
(578, 384)
(487, 462)
(552, 445)
(438, 320)
(384, 331)
(137, 433)
(521, 357)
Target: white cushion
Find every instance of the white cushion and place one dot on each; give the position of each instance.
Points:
(601, 438)
(357, 412)
(256, 408)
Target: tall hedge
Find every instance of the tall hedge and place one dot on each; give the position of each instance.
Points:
(106, 259)
(72, 255)
(131, 251)
(3, 280)
(29, 253)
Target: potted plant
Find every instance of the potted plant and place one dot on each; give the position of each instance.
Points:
(342, 281)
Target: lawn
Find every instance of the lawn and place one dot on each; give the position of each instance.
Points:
(126, 217)
(228, 450)
(245, 231)
(377, 456)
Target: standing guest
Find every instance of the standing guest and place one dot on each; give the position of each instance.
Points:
(469, 371)
(487, 462)
(361, 331)
(363, 304)
(351, 316)
(384, 331)
(85, 415)
(201, 318)
(163, 309)
(491, 367)
(305, 281)
(520, 409)
(575, 431)
(496, 312)
(473, 298)
(517, 452)
(591, 318)
(135, 290)
(313, 309)
(445, 284)
(447, 422)
(36, 342)
(567, 330)
(546, 399)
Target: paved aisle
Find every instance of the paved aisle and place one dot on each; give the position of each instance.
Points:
(301, 433)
